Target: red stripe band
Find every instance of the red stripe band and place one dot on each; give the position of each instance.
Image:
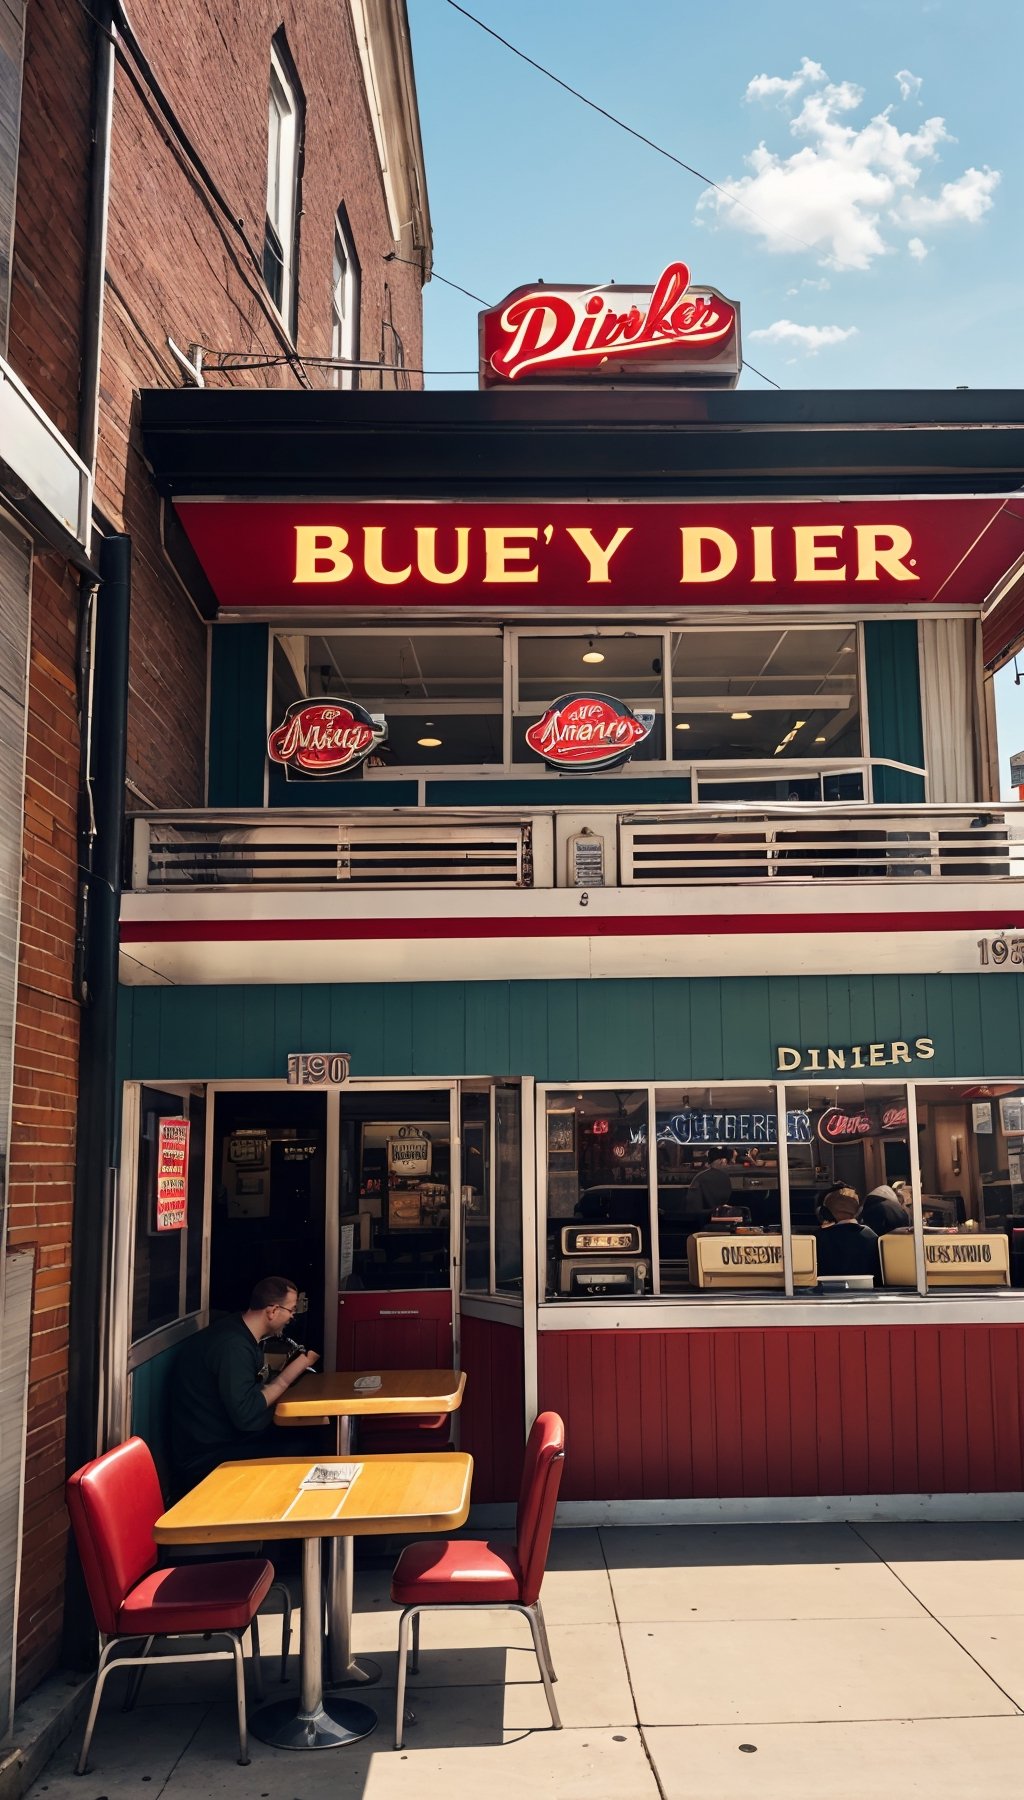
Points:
(221, 931)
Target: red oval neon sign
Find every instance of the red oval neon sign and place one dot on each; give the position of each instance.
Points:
(324, 737)
(586, 731)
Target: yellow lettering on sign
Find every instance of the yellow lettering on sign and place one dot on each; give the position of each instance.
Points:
(504, 547)
(320, 553)
(693, 538)
(373, 559)
(426, 555)
(597, 557)
(883, 547)
(811, 547)
(763, 566)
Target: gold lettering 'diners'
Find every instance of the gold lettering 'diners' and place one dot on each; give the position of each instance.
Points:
(510, 555)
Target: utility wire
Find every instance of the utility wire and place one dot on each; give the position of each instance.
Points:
(621, 123)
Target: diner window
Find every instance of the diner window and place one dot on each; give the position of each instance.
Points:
(596, 1150)
(767, 694)
(438, 693)
(167, 1255)
(629, 667)
(972, 1183)
(850, 1183)
(345, 292)
(284, 152)
(718, 1188)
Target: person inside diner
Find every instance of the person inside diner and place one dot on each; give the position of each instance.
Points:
(711, 1187)
(220, 1409)
(885, 1211)
(845, 1246)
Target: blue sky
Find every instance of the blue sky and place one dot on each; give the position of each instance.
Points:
(878, 143)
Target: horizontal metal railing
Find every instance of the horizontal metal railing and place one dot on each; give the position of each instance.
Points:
(736, 842)
(850, 843)
(201, 850)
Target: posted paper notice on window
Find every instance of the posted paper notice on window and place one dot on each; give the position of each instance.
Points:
(331, 1475)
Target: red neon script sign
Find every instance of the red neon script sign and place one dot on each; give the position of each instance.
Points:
(324, 737)
(586, 731)
(548, 331)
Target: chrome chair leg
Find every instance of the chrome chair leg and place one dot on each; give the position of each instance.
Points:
(137, 1679)
(538, 1644)
(415, 1664)
(403, 1657)
(103, 1670)
(243, 1729)
(286, 1624)
(544, 1640)
(257, 1660)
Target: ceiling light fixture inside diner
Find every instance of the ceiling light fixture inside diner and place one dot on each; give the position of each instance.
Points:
(426, 742)
(590, 655)
(798, 725)
(740, 715)
(683, 726)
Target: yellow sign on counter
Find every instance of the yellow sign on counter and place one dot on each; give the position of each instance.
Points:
(720, 1261)
(951, 1259)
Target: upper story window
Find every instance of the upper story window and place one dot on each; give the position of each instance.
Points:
(284, 145)
(345, 303)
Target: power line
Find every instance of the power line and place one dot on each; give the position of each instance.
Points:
(630, 129)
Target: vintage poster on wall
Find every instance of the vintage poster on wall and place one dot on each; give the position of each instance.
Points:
(981, 1117)
(1011, 1117)
(172, 1175)
(410, 1153)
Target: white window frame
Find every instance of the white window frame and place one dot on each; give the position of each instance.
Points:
(284, 104)
(345, 313)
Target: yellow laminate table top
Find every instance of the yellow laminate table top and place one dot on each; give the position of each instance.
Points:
(261, 1498)
(401, 1391)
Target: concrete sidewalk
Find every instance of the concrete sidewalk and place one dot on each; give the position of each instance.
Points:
(827, 1662)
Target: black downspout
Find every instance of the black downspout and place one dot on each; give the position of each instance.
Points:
(101, 840)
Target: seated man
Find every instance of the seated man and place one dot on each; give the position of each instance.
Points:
(219, 1409)
(845, 1247)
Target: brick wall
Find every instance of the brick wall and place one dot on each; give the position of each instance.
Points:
(44, 347)
(178, 268)
(41, 1176)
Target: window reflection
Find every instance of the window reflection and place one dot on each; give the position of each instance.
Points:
(598, 1192)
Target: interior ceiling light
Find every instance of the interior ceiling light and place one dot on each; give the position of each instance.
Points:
(590, 655)
(740, 715)
(798, 725)
(819, 740)
(683, 727)
(426, 742)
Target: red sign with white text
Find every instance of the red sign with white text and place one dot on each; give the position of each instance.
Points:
(844, 1125)
(324, 737)
(586, 731)
(666, 331)
(172, 1175)
(275, 555)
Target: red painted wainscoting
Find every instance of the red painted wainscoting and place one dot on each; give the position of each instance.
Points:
(491, 1421)
(410, 1329)
(909, 1409)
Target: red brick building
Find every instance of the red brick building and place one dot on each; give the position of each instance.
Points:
(235, 197)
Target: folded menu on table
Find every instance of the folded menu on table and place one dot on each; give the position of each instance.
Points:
(331, 1475)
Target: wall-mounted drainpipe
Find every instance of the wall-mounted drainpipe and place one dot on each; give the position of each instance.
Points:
(103, 722)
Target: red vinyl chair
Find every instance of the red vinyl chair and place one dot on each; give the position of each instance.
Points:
(114, 1503)
(470, 1573)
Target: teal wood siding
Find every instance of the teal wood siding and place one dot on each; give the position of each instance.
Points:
(338, 794)
(626, 792)
(238, 708)
(894, 705)
(709, 1030)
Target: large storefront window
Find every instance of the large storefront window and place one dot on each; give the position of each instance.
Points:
(440, 692)
(786, 697)
(796, 1189)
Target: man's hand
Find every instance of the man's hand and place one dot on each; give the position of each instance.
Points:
(289, 1375)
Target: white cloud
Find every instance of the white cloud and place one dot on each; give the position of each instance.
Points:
(910, 85)
(809, 338)
(779, 87)
(917, 249)
(845, 190)
(961, 202)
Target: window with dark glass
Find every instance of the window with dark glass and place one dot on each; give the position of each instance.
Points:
(440, 693)
(285, 113)
(769, 693)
